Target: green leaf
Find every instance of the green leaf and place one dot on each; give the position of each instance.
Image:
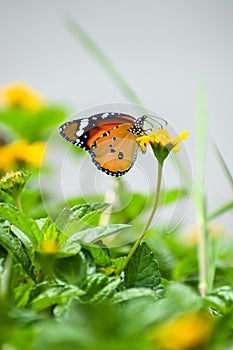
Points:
(54, 295)
(91, 235)
(221, 299)
(72, 270)
(94, 284)
(117, 264)
(22, 293)
(134, 293)
(71, 220)
(68, 249)
(100, 255)
(20, 220)
(107, 291)
(142, 269)
(224, 275)
(15, 248)
(159, 244)
(5, 198)
(23, 238)
(50, 231)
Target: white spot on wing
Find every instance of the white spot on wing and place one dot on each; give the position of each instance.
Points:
(83, 124)
(105, 115)
(79, 132)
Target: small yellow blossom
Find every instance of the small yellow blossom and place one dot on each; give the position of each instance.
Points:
(184, 332)
(13, 182)
(49, 246)
(19, 94)
(161, 142)
(162, 137)
(21, 152)
(144, 142)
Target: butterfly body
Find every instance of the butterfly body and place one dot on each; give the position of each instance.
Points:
(110, 138)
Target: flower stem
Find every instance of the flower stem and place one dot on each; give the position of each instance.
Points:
(140, 238)
(18, 203)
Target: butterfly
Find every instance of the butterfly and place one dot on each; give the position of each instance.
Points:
(109, 137)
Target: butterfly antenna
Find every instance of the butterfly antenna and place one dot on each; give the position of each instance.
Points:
(159, 121)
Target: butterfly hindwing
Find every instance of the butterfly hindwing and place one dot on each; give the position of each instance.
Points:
(115, 151)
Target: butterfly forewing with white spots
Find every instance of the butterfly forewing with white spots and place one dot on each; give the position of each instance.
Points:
(109, 137)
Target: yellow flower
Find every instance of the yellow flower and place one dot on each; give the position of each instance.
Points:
(144, 142)
(165, 140)
(49, 246)
(161, 142)
(19, 94)
(184, 332)
(162, 137)
(20, 152)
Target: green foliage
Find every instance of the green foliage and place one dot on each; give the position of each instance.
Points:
(37, 123)
(142, 269)
(27, 225)
(125, 211)
(62, 287)
(60, 284)
(78, 217)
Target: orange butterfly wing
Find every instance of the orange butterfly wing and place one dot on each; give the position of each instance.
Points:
(83, 132)
(110, 138)
(115, 151)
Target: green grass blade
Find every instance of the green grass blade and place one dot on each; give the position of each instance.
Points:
(220, 211)
(224, 165)
(205, 268)
(100, 57)
(201, 132)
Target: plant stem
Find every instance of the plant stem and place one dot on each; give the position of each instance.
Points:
(18, 203)
(100, 57)
(140, 238)
(203, 262)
